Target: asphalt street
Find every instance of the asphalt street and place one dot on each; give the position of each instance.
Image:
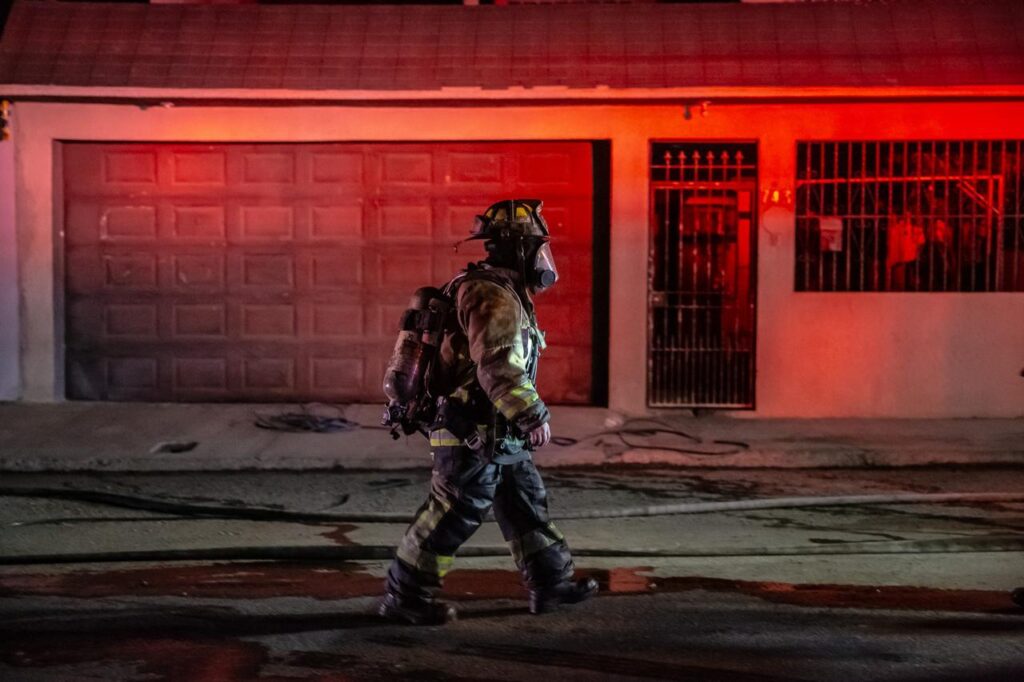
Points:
(870, 593)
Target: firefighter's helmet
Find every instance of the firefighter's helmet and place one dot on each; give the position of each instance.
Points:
(517, 236)
(511, 218)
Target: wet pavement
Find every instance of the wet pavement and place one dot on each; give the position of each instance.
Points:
(900, 592)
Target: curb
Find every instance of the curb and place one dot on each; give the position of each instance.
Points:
(755, 458)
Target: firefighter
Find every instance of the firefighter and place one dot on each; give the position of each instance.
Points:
(490, 417)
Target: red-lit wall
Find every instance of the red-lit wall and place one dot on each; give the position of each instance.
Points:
(819, 354)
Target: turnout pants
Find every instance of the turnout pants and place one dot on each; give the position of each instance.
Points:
(463, 489)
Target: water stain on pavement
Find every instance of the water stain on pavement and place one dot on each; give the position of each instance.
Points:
(777, 521)
(851, 596)
(192, 658)
(606, 664)
(342, 580)
(386, 483)
(650, 483)
(339, 534)
(205, 659)
(209, 642)
(241, 580)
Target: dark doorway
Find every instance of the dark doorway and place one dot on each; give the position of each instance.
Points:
(701, 275)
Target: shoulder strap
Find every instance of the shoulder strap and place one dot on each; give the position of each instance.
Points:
(475, 272)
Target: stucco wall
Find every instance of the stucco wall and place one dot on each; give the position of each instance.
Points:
(819, 354)
(9, 376)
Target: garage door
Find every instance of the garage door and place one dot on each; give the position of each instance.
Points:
(279, 272)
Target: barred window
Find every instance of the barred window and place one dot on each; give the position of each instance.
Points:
(910, 216)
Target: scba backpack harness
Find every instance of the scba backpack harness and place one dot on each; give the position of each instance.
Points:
(430, 317)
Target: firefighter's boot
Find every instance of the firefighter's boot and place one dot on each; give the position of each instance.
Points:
(416, 611)
(544, 599)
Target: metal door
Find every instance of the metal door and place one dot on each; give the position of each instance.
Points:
(701, 292)
(272, 272)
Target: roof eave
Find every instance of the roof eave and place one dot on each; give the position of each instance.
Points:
(518, 95)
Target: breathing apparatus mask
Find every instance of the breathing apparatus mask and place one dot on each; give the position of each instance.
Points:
(542, 274)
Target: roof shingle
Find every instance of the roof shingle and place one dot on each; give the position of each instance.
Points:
(398, 48)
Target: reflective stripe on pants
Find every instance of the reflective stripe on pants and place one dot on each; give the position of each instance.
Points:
(463, 489)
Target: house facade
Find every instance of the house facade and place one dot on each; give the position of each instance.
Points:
(773, 210)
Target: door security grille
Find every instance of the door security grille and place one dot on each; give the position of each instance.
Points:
(938, 215)
(701, 286)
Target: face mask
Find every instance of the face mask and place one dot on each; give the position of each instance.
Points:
(544, 273)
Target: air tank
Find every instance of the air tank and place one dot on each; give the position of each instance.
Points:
(419, 335)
